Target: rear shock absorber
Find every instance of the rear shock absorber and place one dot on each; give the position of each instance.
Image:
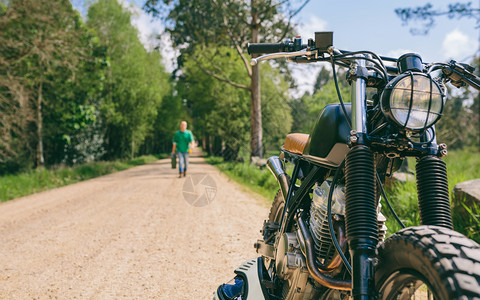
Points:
(361, 219)
(433, 196)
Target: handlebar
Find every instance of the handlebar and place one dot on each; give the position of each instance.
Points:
(260, 48)
(461, 74)
(458, 74)
(255, 61)
(287, 46)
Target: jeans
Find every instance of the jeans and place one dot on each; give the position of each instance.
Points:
(182, 161)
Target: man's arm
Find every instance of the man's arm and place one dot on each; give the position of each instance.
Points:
(192, 142)
(174, 147)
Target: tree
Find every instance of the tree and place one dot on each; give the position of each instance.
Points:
(232, 23)
(306, 110)
(459, 126)
(458, 109)
(169, 116)
(41, 41)
(135, 82)
(276, 113)
(219, 111)
(427, 14)
(322, 78)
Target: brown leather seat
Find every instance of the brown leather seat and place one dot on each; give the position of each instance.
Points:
(295, 142)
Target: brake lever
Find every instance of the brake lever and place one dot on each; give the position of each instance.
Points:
(461, 74)
(308, 53)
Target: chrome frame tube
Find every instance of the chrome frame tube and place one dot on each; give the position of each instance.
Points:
(276, 167)
(358, 97)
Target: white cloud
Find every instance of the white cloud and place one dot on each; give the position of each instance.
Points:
(398, 52)
(457, 45)
(149, 30)
(307, 29)
(306, 74)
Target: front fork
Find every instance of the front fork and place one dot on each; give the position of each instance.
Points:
(361, 220)
(361, 214)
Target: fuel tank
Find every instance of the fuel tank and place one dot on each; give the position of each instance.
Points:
(327, 143)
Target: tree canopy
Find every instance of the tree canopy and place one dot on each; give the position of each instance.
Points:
(79, 88)
(72, 92)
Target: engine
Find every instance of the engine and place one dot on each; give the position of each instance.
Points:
(319, 219)
(290, 259)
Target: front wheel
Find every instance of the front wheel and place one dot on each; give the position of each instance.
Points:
(428, 262)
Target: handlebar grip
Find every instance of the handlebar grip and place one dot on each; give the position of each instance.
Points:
(260, 48)
(474, 82)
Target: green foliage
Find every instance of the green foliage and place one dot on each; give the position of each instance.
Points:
(276, 113)
(306, 110)
(202, 27)
(41, 179)
(71, 93)
(221, 112)
(462, 165)
(170, 114)
(459, 126)
(224, 23)
(218, 110)
(403, 197)
(135, 80)
(45, 50)
(259, 180)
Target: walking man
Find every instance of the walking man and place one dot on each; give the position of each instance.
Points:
(182, 141)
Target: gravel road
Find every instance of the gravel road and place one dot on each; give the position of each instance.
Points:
(130, 235)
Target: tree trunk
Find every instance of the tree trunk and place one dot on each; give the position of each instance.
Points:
(256, 114)
(133, 148)
(256, 148)
(204, 143)
(40, 155)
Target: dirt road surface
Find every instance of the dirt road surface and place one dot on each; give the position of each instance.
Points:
(129, 235)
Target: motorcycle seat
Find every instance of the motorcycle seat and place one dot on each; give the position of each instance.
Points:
(295, 142)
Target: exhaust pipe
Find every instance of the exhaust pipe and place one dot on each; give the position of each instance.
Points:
(336, 261)
(312, 265)
(276, 167)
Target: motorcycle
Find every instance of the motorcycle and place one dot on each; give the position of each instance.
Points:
(325, 234)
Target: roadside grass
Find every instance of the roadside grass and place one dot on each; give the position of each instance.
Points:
(42, 179)
(462, 165)
(258, 180)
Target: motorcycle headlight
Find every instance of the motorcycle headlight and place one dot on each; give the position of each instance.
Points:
(413, 101)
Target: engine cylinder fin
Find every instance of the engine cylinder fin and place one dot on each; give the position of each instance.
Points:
(319, 224)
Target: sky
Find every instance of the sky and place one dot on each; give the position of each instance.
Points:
(357, 25)
(373, 25)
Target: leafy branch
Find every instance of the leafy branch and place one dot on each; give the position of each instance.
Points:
(427, 14)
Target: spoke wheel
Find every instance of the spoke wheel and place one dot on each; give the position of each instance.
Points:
(428, 262)
(405, 285)
(275, 216)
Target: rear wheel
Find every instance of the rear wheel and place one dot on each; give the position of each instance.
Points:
(274, 219)
(276, 210)
(428, 262)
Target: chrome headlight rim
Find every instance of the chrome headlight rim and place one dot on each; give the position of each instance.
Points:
(386, 101)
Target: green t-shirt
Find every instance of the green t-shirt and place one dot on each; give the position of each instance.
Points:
(183, 139)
